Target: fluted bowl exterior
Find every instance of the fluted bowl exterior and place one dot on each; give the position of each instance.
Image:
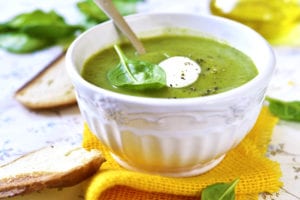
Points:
(173, 137)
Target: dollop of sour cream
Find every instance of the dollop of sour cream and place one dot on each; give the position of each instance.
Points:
(180, 71)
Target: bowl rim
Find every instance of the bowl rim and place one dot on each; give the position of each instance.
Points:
(167, 102)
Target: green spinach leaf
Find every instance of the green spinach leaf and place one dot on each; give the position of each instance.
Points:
(220, 191)
(91, 12)
(135, 74)
(41, 24)
(32, 31)
(28, 32)
(21, 43)
(94, 15)
(285, 110)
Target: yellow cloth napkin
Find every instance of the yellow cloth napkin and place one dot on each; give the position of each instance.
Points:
(247, 162)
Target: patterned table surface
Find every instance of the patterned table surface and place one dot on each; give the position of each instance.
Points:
(23, 130)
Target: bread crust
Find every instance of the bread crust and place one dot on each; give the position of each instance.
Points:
(39, 180)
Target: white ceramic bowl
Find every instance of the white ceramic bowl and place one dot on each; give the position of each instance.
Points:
(172, 137)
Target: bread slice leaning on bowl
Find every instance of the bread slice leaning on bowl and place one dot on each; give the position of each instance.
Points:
(49, 167)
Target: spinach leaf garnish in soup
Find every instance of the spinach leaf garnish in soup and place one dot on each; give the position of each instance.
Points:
(222, 66)
(136, 74)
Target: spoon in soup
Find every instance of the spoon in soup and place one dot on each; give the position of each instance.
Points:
(180, 71)
(109, 9)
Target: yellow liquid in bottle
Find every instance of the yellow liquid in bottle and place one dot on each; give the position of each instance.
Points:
(271, 18)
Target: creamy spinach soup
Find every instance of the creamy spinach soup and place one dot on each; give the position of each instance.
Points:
(222, 67)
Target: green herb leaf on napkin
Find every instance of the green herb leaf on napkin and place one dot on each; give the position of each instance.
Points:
(284, 110)
(136, 74)
(220, 191)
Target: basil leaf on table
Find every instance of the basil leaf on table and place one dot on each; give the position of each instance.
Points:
(284, 110)
(220, 191)
(136, 74)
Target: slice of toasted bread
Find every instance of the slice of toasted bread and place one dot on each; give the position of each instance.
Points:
(50, 167)
(50, 88)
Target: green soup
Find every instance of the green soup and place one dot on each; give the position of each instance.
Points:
(222, 67)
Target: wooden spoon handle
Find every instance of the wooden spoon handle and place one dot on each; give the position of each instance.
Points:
(108, 7)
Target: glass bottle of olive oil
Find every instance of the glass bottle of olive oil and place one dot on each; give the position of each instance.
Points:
(271, 18)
